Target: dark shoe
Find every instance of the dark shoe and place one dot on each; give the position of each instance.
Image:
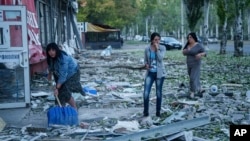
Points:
(158, 114)
(200, 93)
(83, 93)
(182, 85)
(146, 115)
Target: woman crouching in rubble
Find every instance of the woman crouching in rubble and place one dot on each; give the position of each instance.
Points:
(66, 73)
(156, 72)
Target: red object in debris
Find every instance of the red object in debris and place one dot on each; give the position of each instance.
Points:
(39, 67)
(5, 2)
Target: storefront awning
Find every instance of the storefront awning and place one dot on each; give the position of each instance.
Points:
(99, 28)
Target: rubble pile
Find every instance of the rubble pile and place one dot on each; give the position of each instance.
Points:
(113, 109)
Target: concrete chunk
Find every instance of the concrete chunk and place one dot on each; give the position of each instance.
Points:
(2, 124)
(187, 135)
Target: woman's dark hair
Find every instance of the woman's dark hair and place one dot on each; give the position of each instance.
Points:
(53, 46)
(153, 35)
(193, 36)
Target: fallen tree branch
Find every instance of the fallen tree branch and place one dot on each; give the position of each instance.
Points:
(83, 66)
(232, 85)
(114, 67)
(129, 67)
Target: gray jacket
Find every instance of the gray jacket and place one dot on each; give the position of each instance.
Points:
(161, 71)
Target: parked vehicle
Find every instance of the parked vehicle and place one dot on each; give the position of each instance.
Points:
(171, 43)
(145, 39)
(200, 39)
(212, 40)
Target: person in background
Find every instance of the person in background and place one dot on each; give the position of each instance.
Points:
(194, 52)
(153, 59)
(66, 73)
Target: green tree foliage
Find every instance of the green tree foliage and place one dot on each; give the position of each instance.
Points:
(221, 11)
(194, 12)
(164, 15)
(125, 12)
(171, 15)
(115, 13)
(96, 11)
(224, 12)
(243, 6)
(231, 12)
(147, 7)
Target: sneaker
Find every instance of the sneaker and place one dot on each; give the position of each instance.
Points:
(200, 93)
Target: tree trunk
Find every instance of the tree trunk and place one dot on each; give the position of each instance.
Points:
(146, 32)
(205, 27)
(182, 22)
(238, 32)
(248, 25)
(193, 12)
(223, 42)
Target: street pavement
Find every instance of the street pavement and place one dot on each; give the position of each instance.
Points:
(19, 117)
(212, 47)
(230, 47)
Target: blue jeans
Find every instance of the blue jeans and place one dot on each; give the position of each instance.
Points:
(149, 80)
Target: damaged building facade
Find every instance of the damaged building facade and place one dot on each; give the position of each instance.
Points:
(44, 21)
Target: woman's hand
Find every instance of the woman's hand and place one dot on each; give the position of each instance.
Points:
(156, 45)
(184, 51)
(199, 55)
(147, 66)
(49, 77)
(56, 92)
